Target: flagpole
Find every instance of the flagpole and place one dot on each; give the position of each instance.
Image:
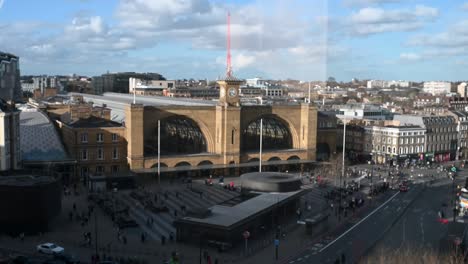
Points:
(159, 152)
(261, 143)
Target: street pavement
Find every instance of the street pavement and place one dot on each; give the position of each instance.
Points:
(419, 226)
(354, 242)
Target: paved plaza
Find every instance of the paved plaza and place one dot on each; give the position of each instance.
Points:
(154, 208)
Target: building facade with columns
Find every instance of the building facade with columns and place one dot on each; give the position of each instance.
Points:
(219, 137)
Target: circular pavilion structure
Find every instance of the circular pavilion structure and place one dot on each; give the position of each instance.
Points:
(270, 182)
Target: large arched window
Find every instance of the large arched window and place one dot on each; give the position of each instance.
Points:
(179, 135)
(276, 135)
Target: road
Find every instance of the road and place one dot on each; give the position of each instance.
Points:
(362, 236)
(419, 227)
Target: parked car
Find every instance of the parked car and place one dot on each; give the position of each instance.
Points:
(49, 248)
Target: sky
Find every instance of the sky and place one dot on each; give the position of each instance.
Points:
(274, 39)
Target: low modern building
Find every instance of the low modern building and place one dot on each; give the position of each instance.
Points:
(119, 82)
(437, 88)
(265, 203)
(362, 111)
(387, 84)
(149, 87)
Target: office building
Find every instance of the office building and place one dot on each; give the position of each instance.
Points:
(10, 87)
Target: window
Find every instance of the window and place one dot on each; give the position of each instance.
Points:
(232, 137)
(100, 154)
(84, 138)
(401, 141)
(99, 170)
(84, 154)
(100, 137)
(115, 153)
(115, 169)
(84, 172)
(114, 137)
(401, 150)
(412, 140)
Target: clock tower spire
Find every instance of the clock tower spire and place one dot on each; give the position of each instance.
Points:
(229, 85)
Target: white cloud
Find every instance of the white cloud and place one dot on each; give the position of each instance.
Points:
(373, 20)
(410, 57)
(269, 38)
(368, 2)
(465, 6)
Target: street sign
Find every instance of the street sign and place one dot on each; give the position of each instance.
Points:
(276, 242)
(454, 169)
(246, 234)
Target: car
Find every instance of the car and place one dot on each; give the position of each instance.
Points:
(403, 188)
(66, 258)
(49, 248)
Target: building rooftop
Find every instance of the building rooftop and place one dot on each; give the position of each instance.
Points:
(39, 139)
(118, 102)
(93, 121)
(25, 180)
(227, 216)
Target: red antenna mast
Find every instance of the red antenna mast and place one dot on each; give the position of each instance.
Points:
(228, 58)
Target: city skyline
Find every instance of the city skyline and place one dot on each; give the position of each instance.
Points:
(365, 39)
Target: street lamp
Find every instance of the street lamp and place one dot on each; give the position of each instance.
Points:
(371, 176)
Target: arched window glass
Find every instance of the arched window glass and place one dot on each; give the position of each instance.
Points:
(179, 135)
(276, 135)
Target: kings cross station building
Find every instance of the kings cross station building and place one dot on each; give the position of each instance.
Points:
(200, 137)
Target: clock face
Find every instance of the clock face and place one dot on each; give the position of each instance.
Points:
(232, 92)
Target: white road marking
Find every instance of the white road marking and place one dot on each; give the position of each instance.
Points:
(422, 228)
(404, 230)
(358, 223)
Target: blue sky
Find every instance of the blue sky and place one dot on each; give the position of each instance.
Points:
(299, 39)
